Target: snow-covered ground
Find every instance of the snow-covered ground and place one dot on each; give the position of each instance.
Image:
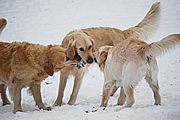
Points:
(48, 21)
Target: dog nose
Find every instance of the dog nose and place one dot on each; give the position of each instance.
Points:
(90, 60)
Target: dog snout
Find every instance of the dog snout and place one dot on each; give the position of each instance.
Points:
(89, 60)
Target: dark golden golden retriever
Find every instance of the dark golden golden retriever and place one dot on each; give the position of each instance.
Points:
(24, 64)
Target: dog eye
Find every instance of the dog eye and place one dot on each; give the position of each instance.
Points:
(81, 49)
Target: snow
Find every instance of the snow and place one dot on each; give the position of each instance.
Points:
(48, 21)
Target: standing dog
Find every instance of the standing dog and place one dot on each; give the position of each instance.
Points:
(3, 23)
(82, 43)
(127, 63)
(24, 64)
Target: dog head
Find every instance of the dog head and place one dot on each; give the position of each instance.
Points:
(56, 59)
(80, 47)
(101, 56)
(3, 23)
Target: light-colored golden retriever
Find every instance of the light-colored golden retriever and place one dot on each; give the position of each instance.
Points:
(3, 23)
(82, 43)
(128, 62)
(24, 64)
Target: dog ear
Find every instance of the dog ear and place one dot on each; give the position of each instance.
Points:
(71, 52)
(102, 59)
(93, 50)
(49, 68)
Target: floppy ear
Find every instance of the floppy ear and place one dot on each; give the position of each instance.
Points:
(102, 59)
(93, 50)
(70, 52)
(49, 68)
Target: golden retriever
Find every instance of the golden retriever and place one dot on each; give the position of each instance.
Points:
(24, 64)
(128, 62)
(3, 23)
(82, 43)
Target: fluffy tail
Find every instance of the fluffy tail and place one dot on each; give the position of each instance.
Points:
(158, 48)
(147, 26)
(3, 23)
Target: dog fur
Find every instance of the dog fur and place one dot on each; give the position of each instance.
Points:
(4, 97)
(82, 43)
(3, 23)
(127, 63)
(24, 64)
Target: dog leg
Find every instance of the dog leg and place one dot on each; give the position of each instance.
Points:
(155, 89)
(76, 87)
(129, 92)
(17, 97)
(36, 91)
(107, 90)
(62, 85)
(114, 90)
(3, 94)
(104, 96)
(122, 97)
(157, 96)
(152, 79)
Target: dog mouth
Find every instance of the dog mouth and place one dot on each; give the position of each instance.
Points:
(80, 62)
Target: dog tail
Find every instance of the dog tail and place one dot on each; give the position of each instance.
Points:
(159, 48)
(147, 26)
(3, 23)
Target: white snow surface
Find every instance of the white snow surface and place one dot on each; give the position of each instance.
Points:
(48, 21)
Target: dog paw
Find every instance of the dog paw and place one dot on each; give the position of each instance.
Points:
(6, 103)
(48, 108)
(57, 104)
(103, 105)
(120, 102)
(157, 103)
(70, 103)
(17, 110)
